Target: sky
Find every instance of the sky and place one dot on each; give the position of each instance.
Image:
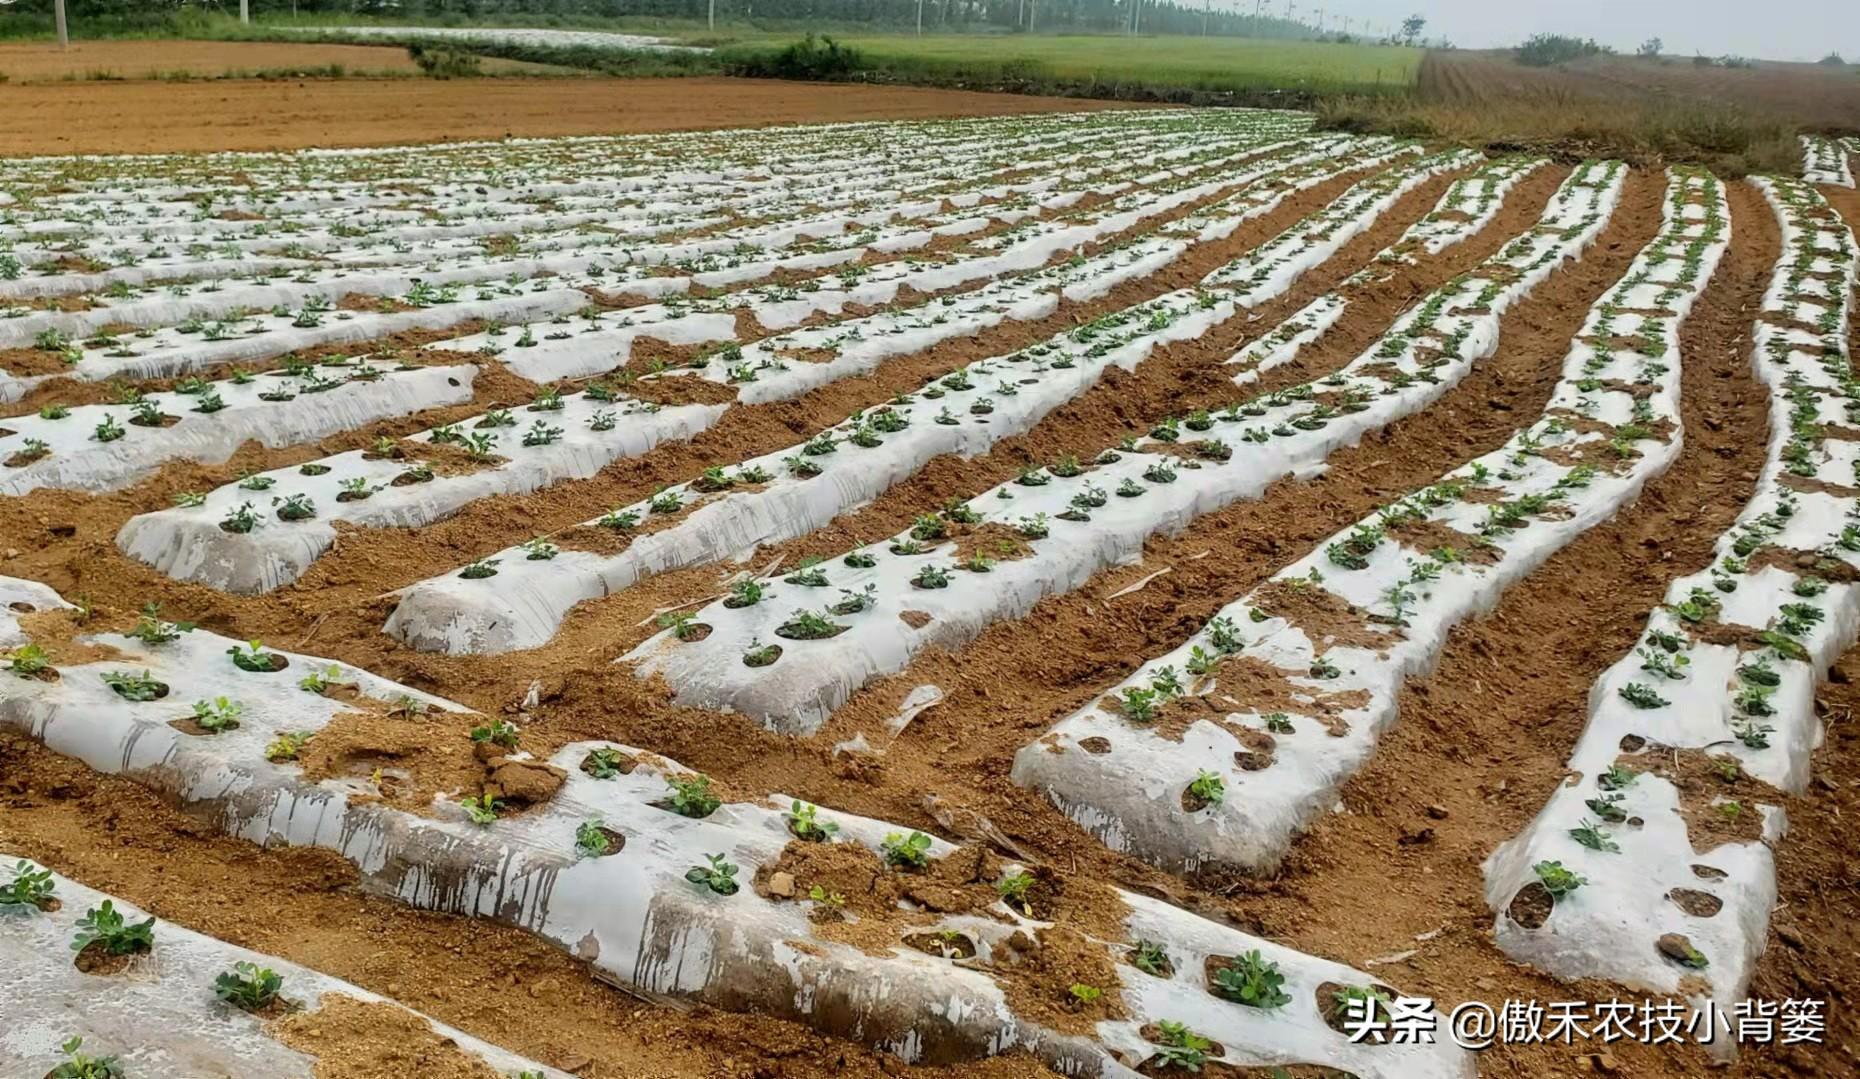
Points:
(1766, 29)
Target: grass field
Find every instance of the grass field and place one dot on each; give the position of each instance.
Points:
(1214, 64)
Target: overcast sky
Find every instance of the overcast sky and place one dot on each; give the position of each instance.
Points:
(1770, 29)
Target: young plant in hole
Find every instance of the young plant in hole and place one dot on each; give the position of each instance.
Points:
(719, 876)
(619, 521)
(1556, 880)
(105, 925)
(107, 431)
(906, 852)
(480, 568)
(978, 563)
(931, 577)
(1138, 704)
(1208, 789)
(665, 502)
(1013, 888)
(240, 521)
(809, 574)
(1180, 1047)
(498, 732)
(248, 986)
(28, 660)
(1642, 696)
(591, 839)
(30, 889)
(538, 549)
(286, 746)
(744, 593)
(605, 763)
(1129, 488)
(253, 657)
(133, 687)
(482, 810)
(759, 654)
(804, 821)
(1618, 777)
(692, 797)
(1663, 663)
(218, 714)
(1252, 980)
(801, 467)
(1149, 957)
(77, 1065)
(1594, 838)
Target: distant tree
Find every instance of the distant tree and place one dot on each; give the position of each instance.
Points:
(1411, 28)
(1833, 59)
(1543, 50)
(1651, 48)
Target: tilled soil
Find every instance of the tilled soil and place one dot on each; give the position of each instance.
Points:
(290, 114)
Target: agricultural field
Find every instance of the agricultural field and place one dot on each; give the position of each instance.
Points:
(1111, 592)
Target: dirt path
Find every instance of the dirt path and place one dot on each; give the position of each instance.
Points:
(122, 117)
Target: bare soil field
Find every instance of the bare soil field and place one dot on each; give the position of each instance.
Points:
(1813, 94)
(37, 61)
(993, 597)
(106, 117)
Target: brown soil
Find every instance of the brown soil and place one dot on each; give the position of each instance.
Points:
(113, 117)
(356, 1039)
(44, 62)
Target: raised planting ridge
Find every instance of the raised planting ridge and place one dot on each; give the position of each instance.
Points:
(1286, 691)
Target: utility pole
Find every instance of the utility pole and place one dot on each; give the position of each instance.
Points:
(920, 16)
(713, 13)
(58, 15)
(245, 12)
(1204, 18)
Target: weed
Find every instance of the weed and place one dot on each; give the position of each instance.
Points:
(1086, 995)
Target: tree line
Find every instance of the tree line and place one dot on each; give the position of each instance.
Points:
(1154, 16)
